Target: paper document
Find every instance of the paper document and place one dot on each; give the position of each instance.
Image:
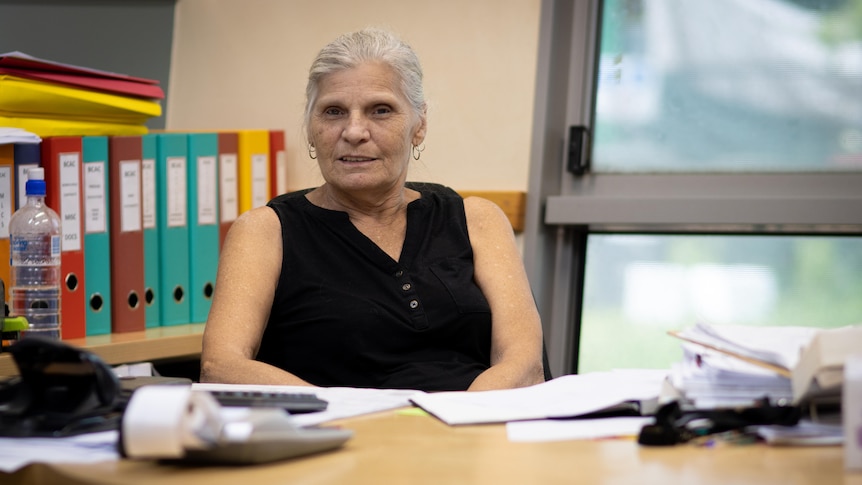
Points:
(576, 429)
(344, 402)
(563, 397)
(773, 347)
(17, 453)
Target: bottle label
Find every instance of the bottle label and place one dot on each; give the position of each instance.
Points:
(55, 246)
(35, 250)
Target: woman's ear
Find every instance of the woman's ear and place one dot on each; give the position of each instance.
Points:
(421, 129)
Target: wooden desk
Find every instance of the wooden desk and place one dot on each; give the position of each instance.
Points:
(396, 448)
(180, 341)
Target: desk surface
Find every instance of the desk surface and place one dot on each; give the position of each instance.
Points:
(396, 448)
(122, 348)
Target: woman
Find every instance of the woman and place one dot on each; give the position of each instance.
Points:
(365, 281)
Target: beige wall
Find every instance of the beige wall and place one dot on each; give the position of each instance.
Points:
(243, 64)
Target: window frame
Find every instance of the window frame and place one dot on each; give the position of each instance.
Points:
(563, 209)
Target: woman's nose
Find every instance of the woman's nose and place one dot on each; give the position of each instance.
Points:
(356, 129)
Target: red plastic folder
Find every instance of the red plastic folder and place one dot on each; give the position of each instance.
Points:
(109, 85)
(61, 159)
(128, 310)
(20, 60)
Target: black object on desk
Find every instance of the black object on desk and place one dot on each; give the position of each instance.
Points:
(61, 391)
(292, 402)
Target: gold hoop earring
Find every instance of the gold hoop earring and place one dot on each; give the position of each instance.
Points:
(417, 151)
(312, 153)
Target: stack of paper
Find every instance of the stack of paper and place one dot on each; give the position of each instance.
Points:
(710, 380)
(737, 365)
(569, 396)
(54, 99)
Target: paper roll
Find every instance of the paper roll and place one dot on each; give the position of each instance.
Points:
(167, 421)
(155, 422)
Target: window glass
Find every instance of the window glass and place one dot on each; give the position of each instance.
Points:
(638, 287)
(730, 85)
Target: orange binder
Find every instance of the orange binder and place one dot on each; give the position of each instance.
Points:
(227, 186)
(277, 163)
(127, 234)
(7, 207)
(61, 159)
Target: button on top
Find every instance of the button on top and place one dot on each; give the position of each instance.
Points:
(399, 273)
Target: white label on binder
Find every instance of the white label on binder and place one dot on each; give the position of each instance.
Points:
(21, 182)
(70, 200)
(95, 203)
(148, 196)
(207, 195)
(130, 195)
(176, 192)
(6, 202)
(259, 180)
(228, 187)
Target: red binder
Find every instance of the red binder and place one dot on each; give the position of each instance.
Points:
(7, 207)
(277, 163)
(61, 159)
(228, 190)
(127, 234)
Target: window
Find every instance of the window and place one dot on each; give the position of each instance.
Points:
(724, 174)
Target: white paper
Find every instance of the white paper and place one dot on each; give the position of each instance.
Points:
(575, 429)
(16, 453)
(563, 397)
(344, 402)
(17, 135)
(777, 345)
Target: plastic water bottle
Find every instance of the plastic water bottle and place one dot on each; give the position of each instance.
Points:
(35, 234)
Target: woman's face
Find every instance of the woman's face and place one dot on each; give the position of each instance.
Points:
(362, 128)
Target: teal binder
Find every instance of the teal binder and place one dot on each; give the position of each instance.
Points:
(203, 222)
(173, 227)
(152, 294)
(97, 235)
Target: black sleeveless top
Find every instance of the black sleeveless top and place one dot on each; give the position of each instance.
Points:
(347, 314)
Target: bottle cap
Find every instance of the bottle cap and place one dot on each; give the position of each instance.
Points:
(35, 181)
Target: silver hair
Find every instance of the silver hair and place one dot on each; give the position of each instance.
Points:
(370, 44)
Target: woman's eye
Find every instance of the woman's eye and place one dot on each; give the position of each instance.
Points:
(382, 110)
(332, 111)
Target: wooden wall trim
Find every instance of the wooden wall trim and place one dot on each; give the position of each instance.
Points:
(512, 202)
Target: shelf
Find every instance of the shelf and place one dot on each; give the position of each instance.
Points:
(180, 341)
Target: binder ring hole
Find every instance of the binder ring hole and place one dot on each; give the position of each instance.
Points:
(149, 296)
(133, 300)
(96, 302)
(178, 294)
(208, 291)
(72, 282)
